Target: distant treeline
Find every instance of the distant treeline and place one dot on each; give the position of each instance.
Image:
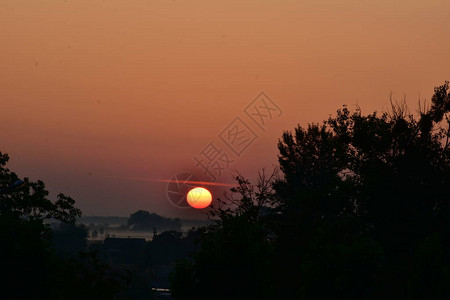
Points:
(143, 220)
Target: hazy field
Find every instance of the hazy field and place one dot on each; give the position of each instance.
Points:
(112, 227)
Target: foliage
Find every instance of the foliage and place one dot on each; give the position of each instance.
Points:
(38, 263)
(143, 220)
(234, 251)
(361, 212)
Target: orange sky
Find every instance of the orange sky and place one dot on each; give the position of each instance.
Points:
(94, 93)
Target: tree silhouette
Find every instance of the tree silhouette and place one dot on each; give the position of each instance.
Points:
(231, 262)
(384, 175)
(30, 267)
(143, 220)
(361, 212)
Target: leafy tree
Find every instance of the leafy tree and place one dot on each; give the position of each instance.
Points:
(143, 220)
(30, 267)
(25, 233)
(231, 262)
(386, 173)
(361, 212)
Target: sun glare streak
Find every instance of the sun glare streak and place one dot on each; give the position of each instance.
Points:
(193, 182)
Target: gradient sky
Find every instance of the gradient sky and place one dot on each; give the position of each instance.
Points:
(96, 93)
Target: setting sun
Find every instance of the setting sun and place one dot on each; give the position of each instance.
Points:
(199, 197)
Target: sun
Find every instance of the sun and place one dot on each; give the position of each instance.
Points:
(199, 197)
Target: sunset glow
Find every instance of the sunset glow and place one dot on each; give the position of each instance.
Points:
(95, 93)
